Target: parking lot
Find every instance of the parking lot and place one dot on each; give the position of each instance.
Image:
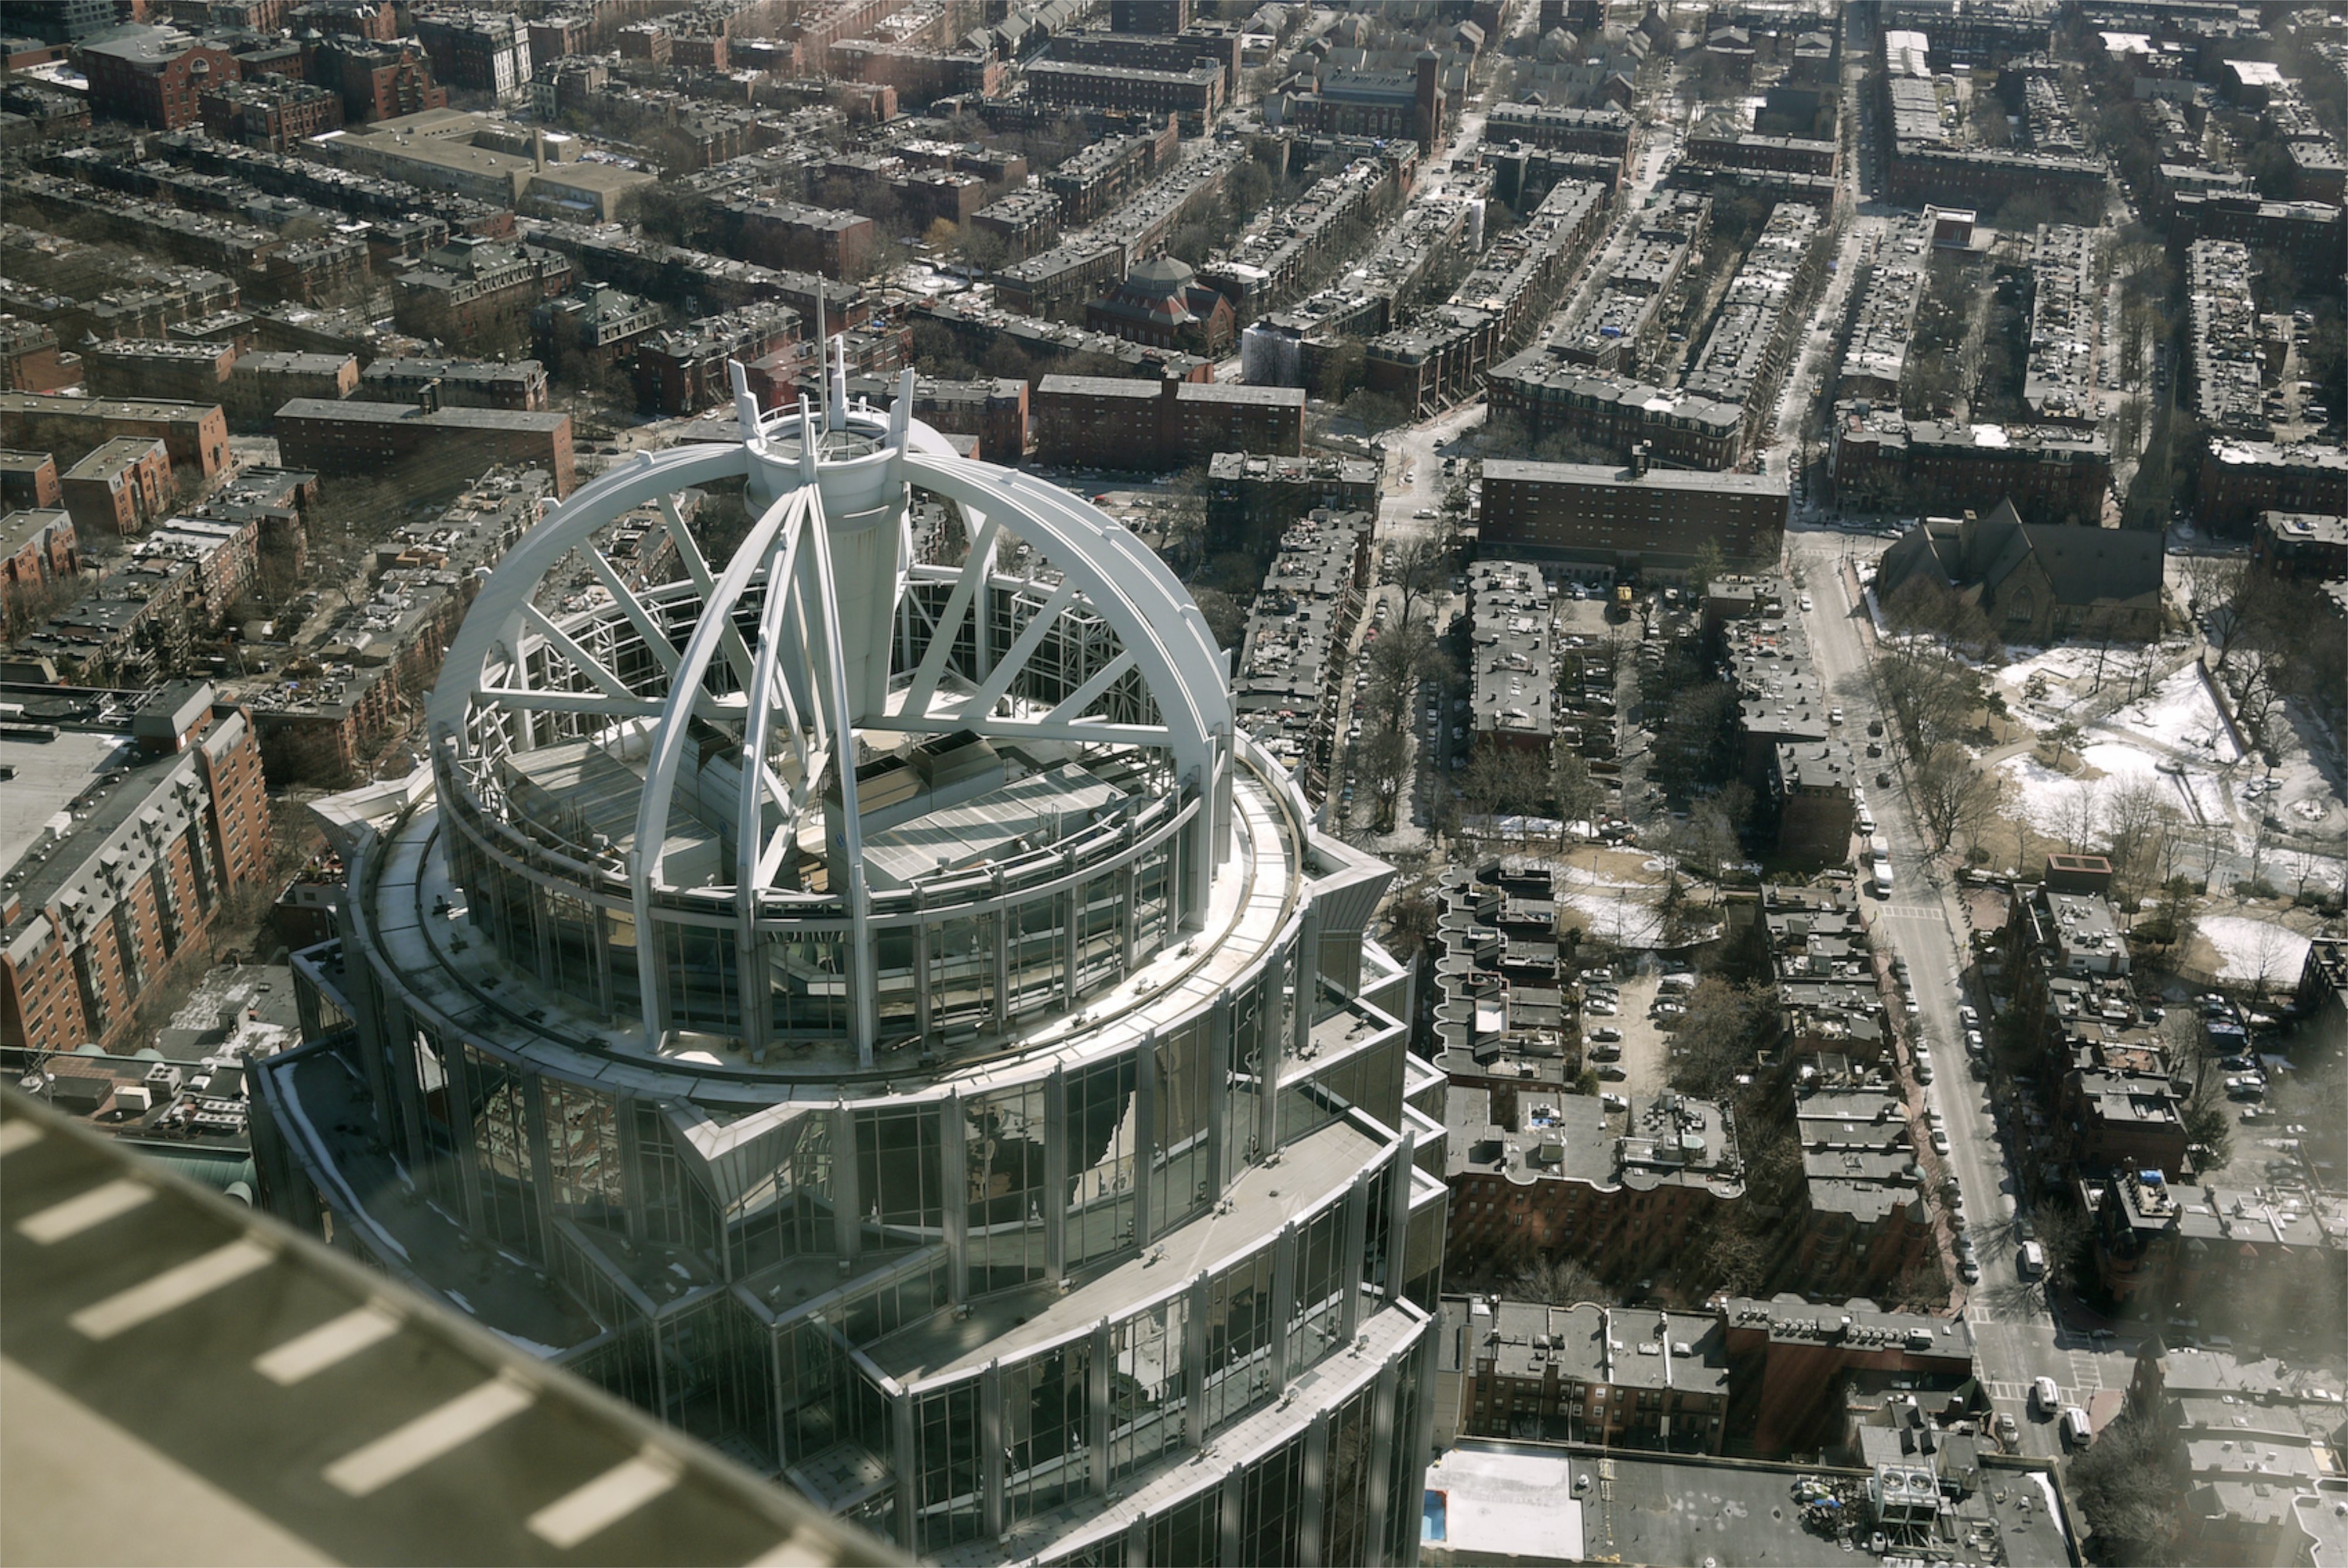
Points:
(1644, 1066)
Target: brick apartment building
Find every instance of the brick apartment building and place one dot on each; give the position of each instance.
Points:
(262, 382)
(1196, 95)
(518, 384)
(797, 238)
(1810, 786)
(377, 78)
(357, 437)
(1614, 1376)
(194, 434)
(39, 554)
(474, 290)
(2304, 546)
(1386, 105)
(1122, 422)
(30, 359)
(683, 370)
(272, 112)
(1632, 519)
(1253, 499)
(1793, 1361)
(1533, 1178)
(28, 481)
(171, 368)
(159, 833)
(2241, 479)
(152, 75)
(120, 488)
(994, 410)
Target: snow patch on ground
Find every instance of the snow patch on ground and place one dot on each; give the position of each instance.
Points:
(1626, 922)
(2046, 796)
(2251, 949)
(2181, 715)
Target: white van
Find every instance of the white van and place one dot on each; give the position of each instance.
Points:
(2030, 1261)
(2075, 1429)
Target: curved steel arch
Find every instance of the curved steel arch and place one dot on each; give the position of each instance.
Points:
(817, 624)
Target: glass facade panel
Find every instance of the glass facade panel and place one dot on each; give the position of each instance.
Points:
(897, 1168)
(961, 975)
(1037, 938)
(789, 1213)
(1145, 1387)
(1323, 1273)
(1345, 1485)
(1180, 1151)
(501, 1163)
(945, 1467)
(1044, 1430)
(1190, 1533)
(698, 966)
(1272, 1498)
(1003, 1158)
(1101, 1140)
(582, 1138)
(1239, 1339)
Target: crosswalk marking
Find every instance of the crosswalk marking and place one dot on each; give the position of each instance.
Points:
(370, 1468)
(330, 1343)
(605, 1500)
(171, 1289)
(85, 1211)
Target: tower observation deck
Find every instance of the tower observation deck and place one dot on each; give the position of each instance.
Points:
(885, 1018)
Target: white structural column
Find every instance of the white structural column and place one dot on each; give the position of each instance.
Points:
(792, 512)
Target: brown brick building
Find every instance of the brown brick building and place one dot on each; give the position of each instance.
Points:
(30, 360)
(122, 488)
(271, 112)
(1632, 519)
(261, 383)
(29, 480)
(1123, 423)
(1621, 1192)
(170, 368)
(194, 434)
(39, 552)
(161, 833)
(153, 76)
(353, 436)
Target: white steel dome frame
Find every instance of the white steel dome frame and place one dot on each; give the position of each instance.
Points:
(829, 487)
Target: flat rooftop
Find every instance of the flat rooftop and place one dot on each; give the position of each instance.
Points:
(44, 778)
(1540, 1502)
(1602, 474)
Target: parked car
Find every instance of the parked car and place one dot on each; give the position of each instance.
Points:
(1939, 1141)
(2044, 1397)
(2009, 1430)
(1601, 1007)
(1603, 1036)
(1969, 1271)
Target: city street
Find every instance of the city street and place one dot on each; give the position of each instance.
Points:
(1922, 921)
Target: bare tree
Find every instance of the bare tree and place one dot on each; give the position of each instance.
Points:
(2133, 818)
(1420, 564)
(2078, 816)
(1952, 795)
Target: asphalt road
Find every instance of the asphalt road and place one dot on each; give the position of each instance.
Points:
(2015, 1333)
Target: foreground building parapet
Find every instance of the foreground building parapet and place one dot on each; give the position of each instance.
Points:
(930, 1048)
